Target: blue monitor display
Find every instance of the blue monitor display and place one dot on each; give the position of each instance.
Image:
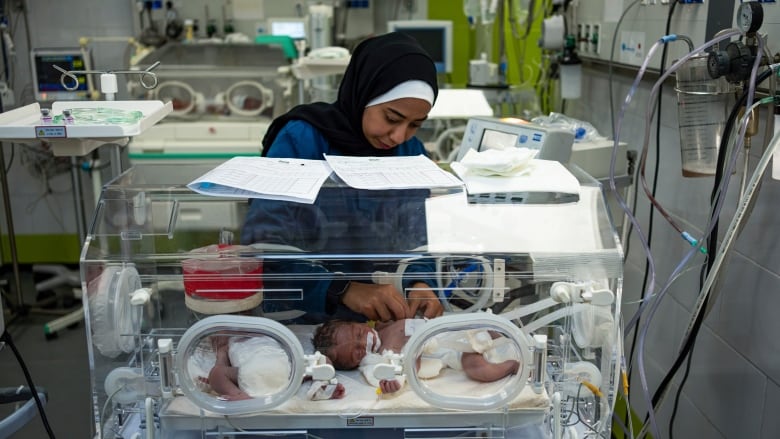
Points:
(47, 79)
(434, 35)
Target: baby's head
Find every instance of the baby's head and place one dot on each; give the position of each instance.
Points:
(345, 343)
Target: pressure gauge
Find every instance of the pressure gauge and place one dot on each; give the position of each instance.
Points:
(750, 15)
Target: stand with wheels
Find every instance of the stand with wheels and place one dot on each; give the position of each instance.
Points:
(71, 138)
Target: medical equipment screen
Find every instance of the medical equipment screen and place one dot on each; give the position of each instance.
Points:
(435, 36)
(492, 139)
(47, 78)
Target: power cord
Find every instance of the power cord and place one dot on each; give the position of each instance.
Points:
(6, 337)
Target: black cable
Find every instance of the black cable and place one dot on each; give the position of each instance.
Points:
(6, 337)
(679, 392)
(687, 348)
(11, 160)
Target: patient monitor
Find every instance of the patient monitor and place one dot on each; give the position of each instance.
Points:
(483, 133)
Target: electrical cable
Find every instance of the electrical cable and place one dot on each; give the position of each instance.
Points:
(716, 212)
(621, 201)
(676, 404)
(6, 337)
(744, 205)
(687, 350)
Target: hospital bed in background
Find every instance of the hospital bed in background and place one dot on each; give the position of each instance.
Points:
(545, 277)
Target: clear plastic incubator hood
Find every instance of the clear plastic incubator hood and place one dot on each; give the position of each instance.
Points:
(207, 321)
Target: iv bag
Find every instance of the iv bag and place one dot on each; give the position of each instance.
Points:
(484, 10)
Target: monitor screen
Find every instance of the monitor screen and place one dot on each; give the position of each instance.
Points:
(494, 139)
(435, 36)
(46, 78)
(294, 28)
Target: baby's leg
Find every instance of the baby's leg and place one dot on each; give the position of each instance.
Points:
(223, 380)
(479, 369)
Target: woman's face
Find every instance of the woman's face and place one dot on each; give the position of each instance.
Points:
(391, 123)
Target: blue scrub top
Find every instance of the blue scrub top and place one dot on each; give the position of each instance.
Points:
(342, 221)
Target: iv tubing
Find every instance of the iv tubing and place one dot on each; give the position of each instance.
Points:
(710, 226)
(737, 219)
(634, 221)
(525, 310)
(553, 316)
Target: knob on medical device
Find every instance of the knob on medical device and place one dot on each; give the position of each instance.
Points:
(566, 292)
(318, 368)
(140, 296)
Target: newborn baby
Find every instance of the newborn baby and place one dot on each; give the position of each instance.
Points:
(351, 344)
(254, 367)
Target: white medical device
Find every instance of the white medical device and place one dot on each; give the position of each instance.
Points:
(293, 27)
(483, 133)
(158, 291)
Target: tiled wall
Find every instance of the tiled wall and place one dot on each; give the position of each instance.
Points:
(732, 390)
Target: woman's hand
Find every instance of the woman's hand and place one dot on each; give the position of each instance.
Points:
(422, 298)
(381, 302)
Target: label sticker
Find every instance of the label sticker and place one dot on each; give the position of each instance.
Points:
(51, 131)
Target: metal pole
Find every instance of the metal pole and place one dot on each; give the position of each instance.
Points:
(77, 199)
(9, 221)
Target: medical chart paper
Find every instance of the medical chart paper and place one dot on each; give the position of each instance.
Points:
(296, 180)
(408, 172)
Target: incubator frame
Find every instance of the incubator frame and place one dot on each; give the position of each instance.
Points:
(557, 307)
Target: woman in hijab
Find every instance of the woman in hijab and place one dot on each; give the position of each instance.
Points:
(385, 95)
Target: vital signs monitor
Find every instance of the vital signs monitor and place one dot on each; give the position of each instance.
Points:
(46, 78)
(483, 133)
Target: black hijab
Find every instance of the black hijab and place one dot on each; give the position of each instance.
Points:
(377, 65)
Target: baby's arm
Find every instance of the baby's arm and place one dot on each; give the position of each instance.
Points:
(479, 369)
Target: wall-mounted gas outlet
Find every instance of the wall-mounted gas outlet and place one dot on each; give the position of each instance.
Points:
(595, 38)
(586, 33)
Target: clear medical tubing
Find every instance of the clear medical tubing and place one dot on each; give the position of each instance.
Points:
(627, 210)
(743, 206)
(713, 219)
(736, 220)
(457, 322)
(236, 325)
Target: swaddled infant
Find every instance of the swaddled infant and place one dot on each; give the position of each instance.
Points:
(243, 367)
(482, 355)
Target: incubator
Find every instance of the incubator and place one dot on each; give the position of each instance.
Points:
(169, 307)
(224, 96)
